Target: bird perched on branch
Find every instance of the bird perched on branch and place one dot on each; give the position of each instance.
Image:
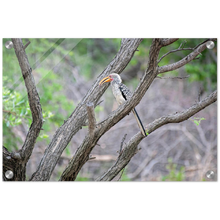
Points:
(122, 93)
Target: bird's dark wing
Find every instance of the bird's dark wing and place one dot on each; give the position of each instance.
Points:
(125, 91)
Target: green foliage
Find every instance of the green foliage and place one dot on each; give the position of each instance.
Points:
(174, 174)
(197, 120)
(202, 72)
(67, 150)
(147, 132)
(15, 108)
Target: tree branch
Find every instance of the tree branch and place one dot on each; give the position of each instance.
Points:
(26, 45)
(82, 154)
(174, 77)
(197, 50)
(131, 147)
(176, 50)
(168, 41)
(35, 107)
(122, 142)
(91, 119)
(77, 119)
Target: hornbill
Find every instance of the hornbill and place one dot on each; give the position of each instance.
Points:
(122, 93)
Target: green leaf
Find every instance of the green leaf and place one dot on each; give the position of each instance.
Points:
(44, 136)
(196, 122)
(67, 150)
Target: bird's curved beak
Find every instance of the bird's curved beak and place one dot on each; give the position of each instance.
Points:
(104, 80)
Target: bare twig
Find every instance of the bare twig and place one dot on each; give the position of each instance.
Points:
(96, 157)
(196, 51)
(173, 51)
(122, 142)
(91, 157)
(91, 118)
(99, 102)
(121, 150)
(26, 45)
(175, 77)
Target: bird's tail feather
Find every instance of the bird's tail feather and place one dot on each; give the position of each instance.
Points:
(139, 122)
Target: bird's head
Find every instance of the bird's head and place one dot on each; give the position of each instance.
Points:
(112, 77)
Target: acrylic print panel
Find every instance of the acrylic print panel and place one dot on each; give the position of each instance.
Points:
(47, 80)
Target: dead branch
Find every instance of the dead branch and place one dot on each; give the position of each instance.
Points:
(96, 157)
(26, 45)
(175, 77)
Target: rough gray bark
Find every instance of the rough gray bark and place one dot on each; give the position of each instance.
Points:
(91, 119)
(33, 98)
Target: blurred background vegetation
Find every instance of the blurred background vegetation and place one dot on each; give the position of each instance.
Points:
(64, 70)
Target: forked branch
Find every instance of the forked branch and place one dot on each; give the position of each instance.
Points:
(170, 67)
(33, 98)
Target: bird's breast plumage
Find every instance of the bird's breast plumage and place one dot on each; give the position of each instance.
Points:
(121, 92)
